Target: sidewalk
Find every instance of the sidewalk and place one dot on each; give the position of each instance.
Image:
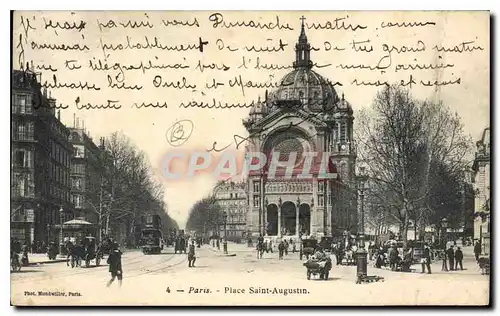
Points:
(42, 258)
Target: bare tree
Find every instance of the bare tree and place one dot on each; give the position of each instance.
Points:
(400, 140)
(127, 190)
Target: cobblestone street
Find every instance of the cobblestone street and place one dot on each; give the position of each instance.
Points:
(240, 278)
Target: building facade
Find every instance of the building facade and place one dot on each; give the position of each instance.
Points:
(305, 115)
(86, 174)
(481, 168)
(232, 199)
(40, 162)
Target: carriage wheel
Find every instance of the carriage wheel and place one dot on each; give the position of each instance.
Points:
(308, 275)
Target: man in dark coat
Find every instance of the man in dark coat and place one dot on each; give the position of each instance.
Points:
(393, 258)
(459, 256)
(281, 249)
(426, 260)
(450, 253)
(191, 255)
(115, 265)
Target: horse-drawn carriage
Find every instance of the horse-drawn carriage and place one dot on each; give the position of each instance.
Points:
(92, 251)
(308, 247)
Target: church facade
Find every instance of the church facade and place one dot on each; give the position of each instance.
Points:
(305, 116)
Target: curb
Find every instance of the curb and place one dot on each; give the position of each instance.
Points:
(46, 261)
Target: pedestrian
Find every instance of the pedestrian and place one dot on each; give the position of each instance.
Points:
(393, 258)
(281, 249)
(191, 255)
(450, 253)
(442, 256)
(224, 245)
(459, 256)
(271, 245)
(477, 251)
(115, 265)
(426, 260)
(285, 244)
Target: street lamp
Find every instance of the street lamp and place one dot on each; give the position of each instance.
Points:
(224, 218)
(61, 244)
(361, 253)
(444, 226)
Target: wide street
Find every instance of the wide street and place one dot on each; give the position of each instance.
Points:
(218, 279)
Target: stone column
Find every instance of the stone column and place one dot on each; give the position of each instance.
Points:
(279, 220)
(297, 220)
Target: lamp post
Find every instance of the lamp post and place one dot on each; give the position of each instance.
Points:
(444, 227)
(361, 254)
(224, 218)
(61, 244)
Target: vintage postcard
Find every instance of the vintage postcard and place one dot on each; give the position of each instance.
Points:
(246, 158)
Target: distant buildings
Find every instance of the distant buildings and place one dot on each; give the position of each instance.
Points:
(86, 173)
(481, 178)
(232, 199)
(40, 162)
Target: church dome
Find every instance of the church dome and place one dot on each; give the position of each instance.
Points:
(303, 86)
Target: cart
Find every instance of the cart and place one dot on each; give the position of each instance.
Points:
(320, 268)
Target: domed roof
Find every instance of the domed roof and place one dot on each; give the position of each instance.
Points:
(307, 86)
(344, 106)
(304, 85)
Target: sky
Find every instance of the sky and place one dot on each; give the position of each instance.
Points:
(438, 39)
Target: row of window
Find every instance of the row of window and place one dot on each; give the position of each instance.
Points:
(59, 193)
(236, 219)
(232, 203)
(22, 130)
(60, 154)
(22, 103)
(78, 168)
(230, 195)
(59, 174)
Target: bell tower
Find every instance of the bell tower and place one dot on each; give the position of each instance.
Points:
(302, 50)
(344, 149)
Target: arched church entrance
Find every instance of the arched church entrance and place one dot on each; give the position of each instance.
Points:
(289, 216)
(305, 219)
(272, 220)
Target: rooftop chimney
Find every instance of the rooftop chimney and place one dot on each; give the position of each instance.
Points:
(59, 115)
(74, 120)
